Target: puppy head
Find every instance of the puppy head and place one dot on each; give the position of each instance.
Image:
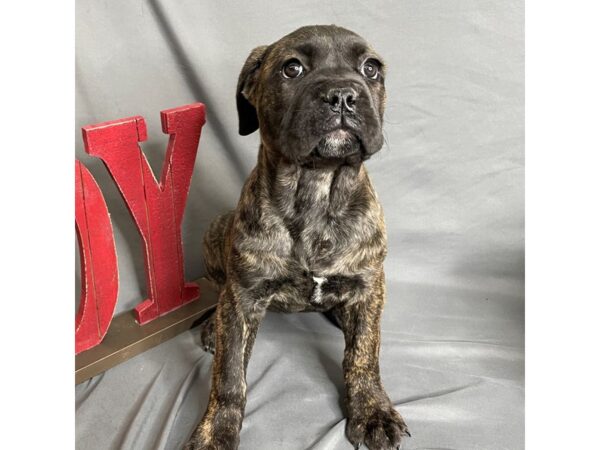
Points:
(316, 94)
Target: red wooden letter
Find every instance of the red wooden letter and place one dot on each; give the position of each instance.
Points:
(99, 273)
(156, 207)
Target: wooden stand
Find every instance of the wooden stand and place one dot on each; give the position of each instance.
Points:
(126, 338)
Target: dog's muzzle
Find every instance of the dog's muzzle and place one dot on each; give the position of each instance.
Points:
(339, 143)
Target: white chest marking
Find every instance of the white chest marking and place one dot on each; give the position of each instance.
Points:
(316, 294)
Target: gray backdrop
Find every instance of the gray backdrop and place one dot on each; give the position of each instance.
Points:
(450, 179)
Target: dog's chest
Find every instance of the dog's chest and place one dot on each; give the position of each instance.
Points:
(327, 238)
(316, 221)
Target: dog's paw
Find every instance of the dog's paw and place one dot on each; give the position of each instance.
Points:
(207, 334)
(197, 442)
(196, 445)
(383, 429)
(209, 436)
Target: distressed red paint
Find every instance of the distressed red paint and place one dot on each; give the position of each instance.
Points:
(157, 207)
(99, 272)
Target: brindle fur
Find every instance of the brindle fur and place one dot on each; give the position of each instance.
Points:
(305, 211)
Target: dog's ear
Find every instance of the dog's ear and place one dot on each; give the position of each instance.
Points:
(248, 118)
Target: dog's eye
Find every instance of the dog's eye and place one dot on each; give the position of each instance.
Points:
(370, 69)
(292, 69)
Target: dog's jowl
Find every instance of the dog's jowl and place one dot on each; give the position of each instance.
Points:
(308, 232)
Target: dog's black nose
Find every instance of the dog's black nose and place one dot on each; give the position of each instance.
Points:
(341, 99)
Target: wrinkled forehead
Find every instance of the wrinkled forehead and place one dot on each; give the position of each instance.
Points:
(321, 44)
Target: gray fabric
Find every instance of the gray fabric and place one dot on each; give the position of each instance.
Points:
(450, 180)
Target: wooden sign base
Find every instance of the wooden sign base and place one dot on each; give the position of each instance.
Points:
(126, 338)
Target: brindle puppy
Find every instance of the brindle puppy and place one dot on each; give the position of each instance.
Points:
(308, 232)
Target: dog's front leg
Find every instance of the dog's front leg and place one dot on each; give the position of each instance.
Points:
(372, 420)
(235, 329)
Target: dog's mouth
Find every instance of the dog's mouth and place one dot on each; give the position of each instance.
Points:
(337, 145)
